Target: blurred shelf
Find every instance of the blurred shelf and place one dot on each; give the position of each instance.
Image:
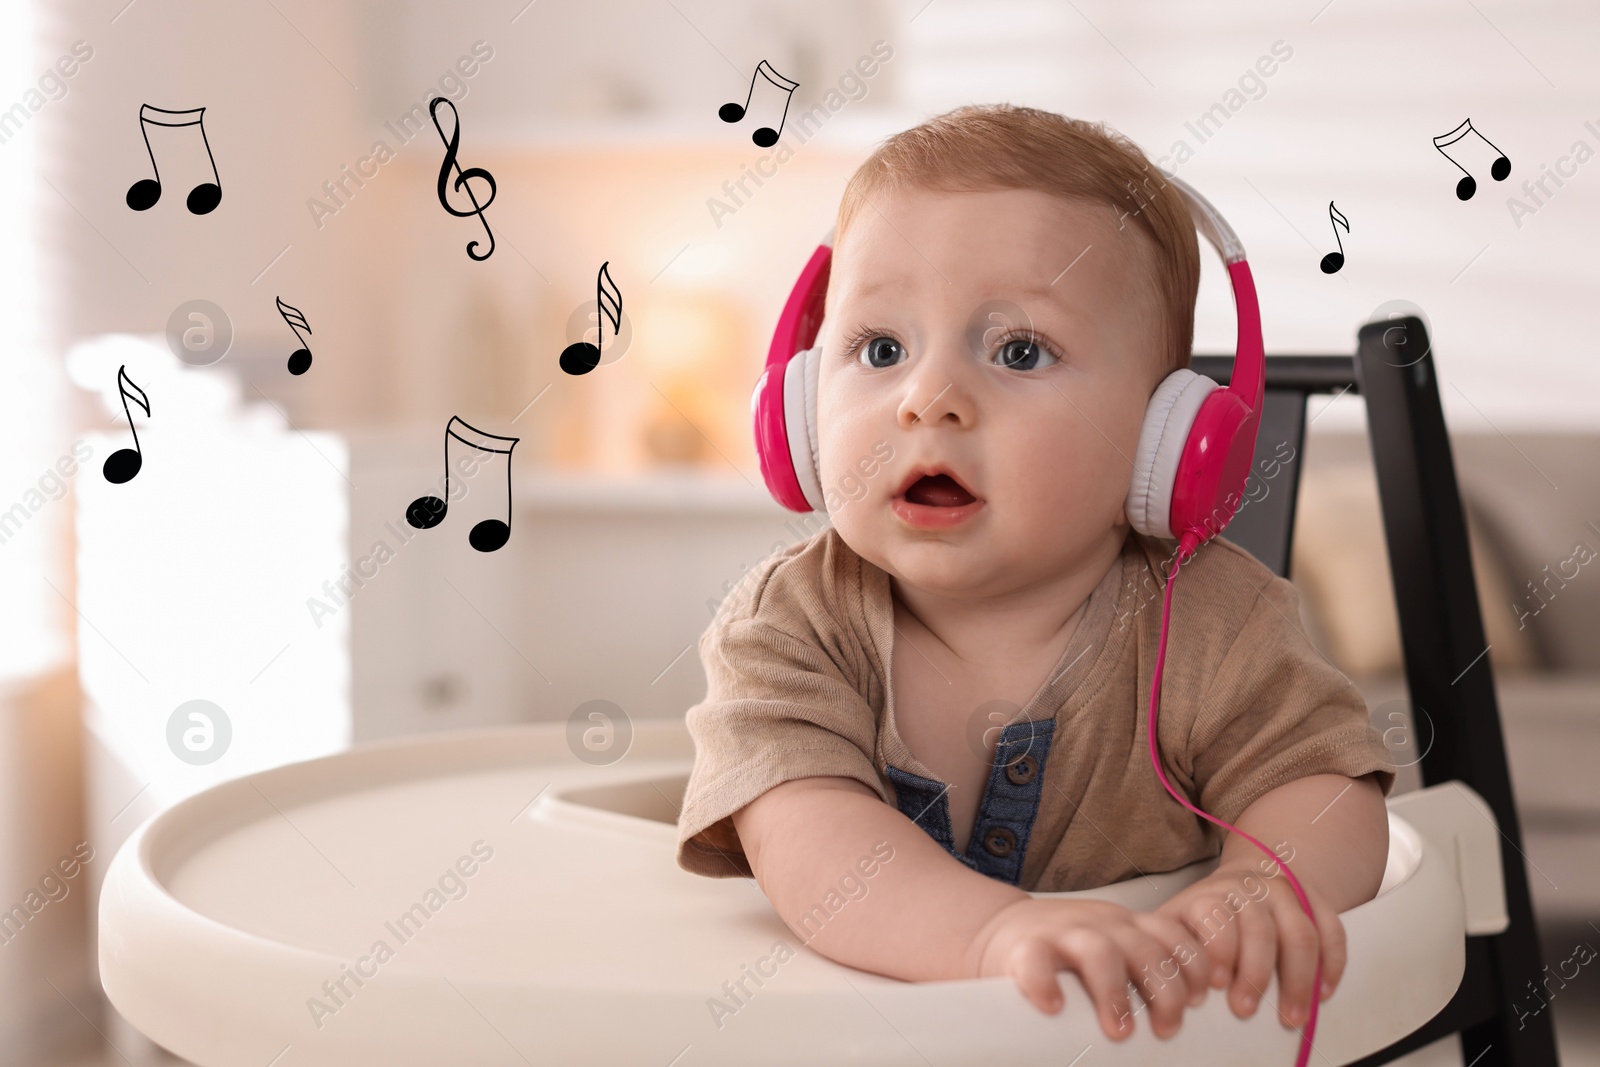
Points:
(409, 456)
(686, 491)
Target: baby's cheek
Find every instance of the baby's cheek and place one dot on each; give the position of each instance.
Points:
(865, 536)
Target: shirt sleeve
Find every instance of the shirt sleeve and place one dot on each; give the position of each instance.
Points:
(1276, 711)
(777, 708)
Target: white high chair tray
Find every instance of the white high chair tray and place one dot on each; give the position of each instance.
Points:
(549, 923)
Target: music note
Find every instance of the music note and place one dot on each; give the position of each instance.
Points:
(583, 357)
(765, 136)
(1467, 186)
(463, 177)
(300, 358)
(143, 194)
(1334, 260)
(124, 463)
(426, 512)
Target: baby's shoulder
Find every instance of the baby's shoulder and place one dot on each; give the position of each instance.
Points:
(1221, 591)
(801, 588)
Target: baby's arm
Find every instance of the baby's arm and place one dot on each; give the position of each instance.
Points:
(927, 917)
(1337, 832)
(923, 910)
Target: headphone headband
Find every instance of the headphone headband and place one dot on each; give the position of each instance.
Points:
(1209, 221)
(1249, 357)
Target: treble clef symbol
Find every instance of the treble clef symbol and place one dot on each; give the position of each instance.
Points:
(463, 177)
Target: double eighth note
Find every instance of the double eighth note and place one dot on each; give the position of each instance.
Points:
(144, 193)
(1498, 170)
(426, 512)
(764, 136)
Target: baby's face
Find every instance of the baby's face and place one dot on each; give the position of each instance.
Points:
(928, 358)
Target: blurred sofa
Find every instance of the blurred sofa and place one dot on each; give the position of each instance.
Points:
(1533, 514)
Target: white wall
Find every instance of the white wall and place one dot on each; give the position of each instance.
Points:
(1349, 118)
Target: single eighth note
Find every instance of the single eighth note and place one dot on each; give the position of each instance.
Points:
(1334, 260)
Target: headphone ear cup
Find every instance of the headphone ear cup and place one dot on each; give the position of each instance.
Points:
(1168, 418)
(800, 420)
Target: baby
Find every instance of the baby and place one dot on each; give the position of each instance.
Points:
(955, 674)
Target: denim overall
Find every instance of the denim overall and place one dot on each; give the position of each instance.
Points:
(999, 841)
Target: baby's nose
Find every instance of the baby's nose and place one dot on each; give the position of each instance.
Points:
(938, 394)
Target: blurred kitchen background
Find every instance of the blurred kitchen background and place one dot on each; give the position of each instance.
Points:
(243, 565)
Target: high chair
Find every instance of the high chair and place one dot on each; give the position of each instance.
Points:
(530, 910)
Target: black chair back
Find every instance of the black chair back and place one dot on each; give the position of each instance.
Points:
(1441, 632)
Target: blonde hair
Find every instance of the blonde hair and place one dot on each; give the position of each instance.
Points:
(1000, 146)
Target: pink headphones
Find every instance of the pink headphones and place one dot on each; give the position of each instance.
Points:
(1194, 451)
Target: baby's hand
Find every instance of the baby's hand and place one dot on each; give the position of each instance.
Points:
(1243, 919)
(1107, 945)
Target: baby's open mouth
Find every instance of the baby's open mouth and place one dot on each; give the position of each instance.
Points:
(938, 491)
(931, 498)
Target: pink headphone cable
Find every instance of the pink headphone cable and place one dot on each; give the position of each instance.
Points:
(1186, 550)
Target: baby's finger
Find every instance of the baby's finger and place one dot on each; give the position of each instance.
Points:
(1184, 953)
(1034, 965)
(1101, 966)
(1298, 947)
(1335, 952)
(1215, 926)
(1258, 952)
(1155, 976)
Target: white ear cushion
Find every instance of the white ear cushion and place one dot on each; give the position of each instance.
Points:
(800, 421)
(813, 357)
(1167, 420)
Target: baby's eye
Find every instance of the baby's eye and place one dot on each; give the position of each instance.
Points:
(1021, 353)
(882, 352)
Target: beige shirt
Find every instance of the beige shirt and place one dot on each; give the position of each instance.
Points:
(797, 658)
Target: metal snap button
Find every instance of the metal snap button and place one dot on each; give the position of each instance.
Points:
(1021, 770)
(999, 842)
